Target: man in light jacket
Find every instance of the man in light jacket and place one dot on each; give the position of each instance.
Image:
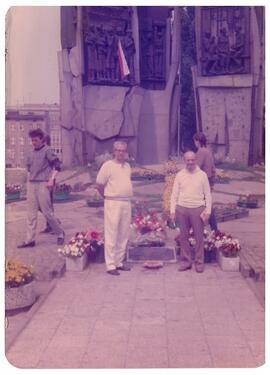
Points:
(191, 207)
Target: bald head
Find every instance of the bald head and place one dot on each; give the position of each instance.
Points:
(190, 160)
(189, 154)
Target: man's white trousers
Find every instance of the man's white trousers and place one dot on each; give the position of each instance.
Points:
(117, 217)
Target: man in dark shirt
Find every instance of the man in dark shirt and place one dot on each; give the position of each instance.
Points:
(43, 166)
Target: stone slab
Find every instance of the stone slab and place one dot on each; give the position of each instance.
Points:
(143, 253)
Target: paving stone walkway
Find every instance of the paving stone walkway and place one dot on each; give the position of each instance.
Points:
(143, 318)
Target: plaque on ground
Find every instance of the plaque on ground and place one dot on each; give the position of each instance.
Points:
(143, 253)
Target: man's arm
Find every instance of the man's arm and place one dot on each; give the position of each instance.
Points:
(102, 178)
(55, 164)
(52, 178)
(174, 197)
(100, 189)
(208, 199)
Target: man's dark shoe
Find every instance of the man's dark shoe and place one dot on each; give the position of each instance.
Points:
(184, 267)
(123, 268)
(26, 244)
(199, 267)
(113, 272)
(47, 230)
(60, 240)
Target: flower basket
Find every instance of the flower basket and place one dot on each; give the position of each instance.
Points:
(13, 192)
(76, 263)
(13, 196)
(75, 252)
(19, 285)
(61, 196)
(228, 263)
(247, 201)
(61, 192)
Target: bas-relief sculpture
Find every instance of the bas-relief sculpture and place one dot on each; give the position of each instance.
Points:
(225, 44)
(114, 107)
(226, 118)
(225, 80)
(101, 33)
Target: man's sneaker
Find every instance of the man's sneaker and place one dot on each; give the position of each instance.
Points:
(113, 272)
(26, 244)
(184, 267)
(123, 268)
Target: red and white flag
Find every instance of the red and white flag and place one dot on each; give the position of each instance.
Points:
(124, 69)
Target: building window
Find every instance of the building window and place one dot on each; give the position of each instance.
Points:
(21, 141)
(12, 140)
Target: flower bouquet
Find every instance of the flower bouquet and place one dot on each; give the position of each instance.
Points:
(148, 229)
(19, 285)
(77, 246)
(13, 191)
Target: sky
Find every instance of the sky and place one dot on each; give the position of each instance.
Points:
(33, 39)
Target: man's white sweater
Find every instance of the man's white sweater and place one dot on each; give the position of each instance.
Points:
(191, 190)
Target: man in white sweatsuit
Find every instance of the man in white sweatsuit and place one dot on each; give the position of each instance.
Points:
(114, 184)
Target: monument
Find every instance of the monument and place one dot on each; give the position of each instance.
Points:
(118, 72)
(99, 102)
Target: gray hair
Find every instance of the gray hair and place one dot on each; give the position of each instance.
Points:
(118, 143)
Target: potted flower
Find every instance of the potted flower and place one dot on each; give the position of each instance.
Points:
(141, 174)
(228, 251)
(221, 177)
(13, 192)
(19, 285)
(75, 252)
(96, 247)
(247, 200)
(61, 192)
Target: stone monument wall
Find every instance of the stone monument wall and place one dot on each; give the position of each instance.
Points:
(226, 79)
